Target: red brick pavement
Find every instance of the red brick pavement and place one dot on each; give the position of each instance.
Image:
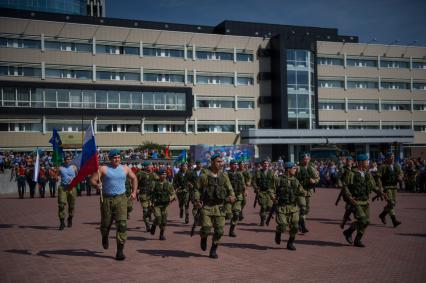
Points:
(33, 250)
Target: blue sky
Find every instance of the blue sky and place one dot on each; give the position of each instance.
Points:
(383, 20)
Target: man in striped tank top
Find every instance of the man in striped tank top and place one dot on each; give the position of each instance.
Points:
(114, 204)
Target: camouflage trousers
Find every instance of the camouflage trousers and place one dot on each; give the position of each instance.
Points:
(265, 203)
(287, 220)
(145, 205)
(362, 217)
(233, 210)
(66, 197)
(391, 201)
(212, 217)
(183, 199)
(114, 208)
(160, 214)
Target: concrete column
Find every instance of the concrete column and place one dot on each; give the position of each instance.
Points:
(411, 84)
(291, 152)
(412, 105)
(186, 76)
(194, 77)
(42, 42)
(378, 62)
(94, 46)
(194, 56)
(236, 126)
(185, 52)
(236, 102)
(143, 126)
(141, 49)
(344, 60)
(345, 83)
(141, 75)
(195, 101)
(235, 78)
(346, 105)
(94, 73)
(43, 121)
(186, 126)
(401, 151)
(43, 70)
(367, 150)
(411, 63)
(380, 105)
(235, 55)
(195, 126)
(380, 83)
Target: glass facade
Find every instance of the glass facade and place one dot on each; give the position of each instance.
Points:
(300, 89)
(77, 7)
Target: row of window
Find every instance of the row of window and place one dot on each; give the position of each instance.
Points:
(125, 128)
(373, 105)
(372, 126)
(91, 99)
(84, 73)
(334, 83)
(363, 63)
(224, 103)
(121, 49)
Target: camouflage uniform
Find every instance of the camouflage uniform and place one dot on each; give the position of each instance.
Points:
(410, 173)
(181, 183)
(145, 183)
(161, 195)
(234, 209)
(288, 193)
(194, 175)
(357, 186)
(129, 200)
(247, 179)
(389, 176)
(264, 184)
(304, 174)
(213, 192)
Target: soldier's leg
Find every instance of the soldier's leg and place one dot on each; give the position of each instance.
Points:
(106, 220)
(218, 225)
(362, 214)
(129, 206)
(293, 220)
(71, 196)
(206, 226)
(228, 209)
(62, 201)
(32, 186)
(163, 222)
(302, 211)
(21, 188)
(265, 203)
(120, 215)
(392, 204)
(181, 202)
(243, 204)
(157, 218)
(236, 209)
(145, 210)
(51, 188)
(281, 226)
(43, 189)
(186, 203)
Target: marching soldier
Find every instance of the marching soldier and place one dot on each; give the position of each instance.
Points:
(410, 176)
(344, 170)
(214, 190)
(146, 179)
(247, 178)
(52, 179)
(114, 203)
(264, 183)
(162, 195)
(238, 185)
(288, 193)
(390, 173)
(308, 176)
(194, 175)
(66, 195)
(357, 186)
(181, 185)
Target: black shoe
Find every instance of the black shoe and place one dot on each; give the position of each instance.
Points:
(348, 235)
(358, 242)
(290, 245)
(278, 238)
(148, 228)
(162, 238)
(382, 217)
(120, 255)
(303, 228)
(213, 253)
(262, 221)
(105, 243)
(203, 244)
(186, 218)
(395, 222)
(181, 213)
(69, 222)
(232, 231)
(62, 225)
(153, 227)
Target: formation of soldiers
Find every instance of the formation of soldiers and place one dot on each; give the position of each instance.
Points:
(218, 195)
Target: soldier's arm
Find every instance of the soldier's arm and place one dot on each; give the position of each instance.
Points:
(345, 188)
(229, 189)
(172, 193)
(200, 185)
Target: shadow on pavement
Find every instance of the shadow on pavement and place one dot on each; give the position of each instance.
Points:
(19, 252)
(247, 224)
(6, 225)
(319, 243)
(248, 246)
(196, 232)
(170, 253)
(134, 238)
(322, 219)
(82, 252)
(412, 235)
(416, 208)
(38, 227)
(92, 223)
(256, 230)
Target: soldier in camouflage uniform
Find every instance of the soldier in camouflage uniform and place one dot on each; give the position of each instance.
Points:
(194, 175)
(238, 185)
(344, 170)
(308, 176)
(161, 196)
(213, 191)
(129, 200)
(390, 173)
(247, 178)
(287, 195)
(264, 183)
(181, 184)
(357, 186)
(146, 180)
(410, 176)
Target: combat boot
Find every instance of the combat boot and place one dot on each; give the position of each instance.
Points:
(153, 227)
(348, 235)
(62, 225)
(290, 245)
(186, 218)
(278, 237)
(395, 222)
(262, 221)
(69, 220)
(162, 238)
(358, 242)
(181, 213)
(120, 255)
(203, 244)
(232, 232)
(213, 253)
(303, 228)
(241, 216)
(148, 228)
(105, 242)
(382, 217)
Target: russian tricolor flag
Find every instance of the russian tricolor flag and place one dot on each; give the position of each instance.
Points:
(89, 158)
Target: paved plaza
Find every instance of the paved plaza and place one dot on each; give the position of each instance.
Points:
(33, 250)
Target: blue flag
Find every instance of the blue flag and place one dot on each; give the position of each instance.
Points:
(58, 150)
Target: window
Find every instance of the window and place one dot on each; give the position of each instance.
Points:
(25, 127)
(330, 61)
(362, 84)
(419, 65)
(363, 105)
(217, 128)
(68, 74)
(245, 57)
(394, 64)
(419, 106)
(395, 85)
(163, 52)
(164, 128)
(330, 84)
(118, 128)
(420, 128)
(244, 81)
(331, 105)
(242, 104)
(20, 43)
(215, 103)
(21, 71)
(213, 55)
(361, 63)
(118, 76)
(396, 106)
(419, 86)
(219, 80)
(117, 49)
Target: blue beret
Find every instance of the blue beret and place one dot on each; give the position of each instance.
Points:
(362, 157)
(214, 156)
(233, 161)
(113, 152)
(289, 165)
(146, 163)
(349, 158)
(388, 154)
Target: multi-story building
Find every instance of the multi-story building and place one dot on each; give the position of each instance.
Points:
(283, 88)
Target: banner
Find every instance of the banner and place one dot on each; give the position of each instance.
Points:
(203, 152)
